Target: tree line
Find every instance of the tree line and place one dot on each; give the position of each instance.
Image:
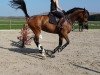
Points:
(94, 17)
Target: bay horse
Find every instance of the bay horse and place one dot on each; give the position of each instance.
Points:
(80, 22)
(41, 22)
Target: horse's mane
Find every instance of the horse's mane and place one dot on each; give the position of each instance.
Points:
(74, 9)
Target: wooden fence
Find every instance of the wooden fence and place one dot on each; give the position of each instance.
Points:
(18, 23)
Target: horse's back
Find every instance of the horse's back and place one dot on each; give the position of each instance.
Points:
(37, 19)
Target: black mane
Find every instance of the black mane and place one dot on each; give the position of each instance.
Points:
(74, 9)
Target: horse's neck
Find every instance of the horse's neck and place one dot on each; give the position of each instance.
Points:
(74, 16)
(71, 18)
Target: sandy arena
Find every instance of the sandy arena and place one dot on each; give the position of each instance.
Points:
(80, 57)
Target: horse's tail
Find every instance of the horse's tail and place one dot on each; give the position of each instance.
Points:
(19, 4)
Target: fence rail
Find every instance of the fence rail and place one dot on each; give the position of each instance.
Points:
(11, 24)
(18, 23)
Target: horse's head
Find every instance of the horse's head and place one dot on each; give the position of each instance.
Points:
(83, 18)
(83, 15)
(78, 14)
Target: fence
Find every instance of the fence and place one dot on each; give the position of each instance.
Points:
(18, 24)
(11, 24)
(91, 24)
(94, 24)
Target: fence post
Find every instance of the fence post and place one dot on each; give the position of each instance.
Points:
(10, 24)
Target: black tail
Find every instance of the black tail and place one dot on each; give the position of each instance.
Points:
(19, 4)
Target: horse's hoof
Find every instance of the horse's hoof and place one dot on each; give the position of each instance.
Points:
(49, 52)
(60, 49)
(52, 56)
(40, 51)
(53, 52)
(43, 57)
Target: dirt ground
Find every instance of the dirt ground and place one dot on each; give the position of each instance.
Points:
(80, 57)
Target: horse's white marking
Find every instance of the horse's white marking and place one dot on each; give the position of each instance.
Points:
(40, 36)
(43, 54)
(43, 51)
(39, 46)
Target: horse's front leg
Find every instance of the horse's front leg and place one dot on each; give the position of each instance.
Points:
(67, 42)
(80, 27)
(36, 40)
(59, 46)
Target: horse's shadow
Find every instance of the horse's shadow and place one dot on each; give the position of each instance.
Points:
(19, 49)
(16, 44)
(28, 51)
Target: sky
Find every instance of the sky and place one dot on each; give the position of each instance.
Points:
(36, 7)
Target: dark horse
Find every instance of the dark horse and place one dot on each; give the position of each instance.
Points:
(82, 25)
(41, 22)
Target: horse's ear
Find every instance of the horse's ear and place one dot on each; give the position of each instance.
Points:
(64, 12)
(84, 9)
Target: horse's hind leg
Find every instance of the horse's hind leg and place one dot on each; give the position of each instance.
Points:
(80, 27)
(36, 40)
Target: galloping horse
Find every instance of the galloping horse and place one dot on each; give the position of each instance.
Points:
(41, 22)
(80, 22)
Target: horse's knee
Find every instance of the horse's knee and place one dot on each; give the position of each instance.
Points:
(68, 42)
(36, 40)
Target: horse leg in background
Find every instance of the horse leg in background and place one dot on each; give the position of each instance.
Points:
(80, 27)
(60, 44)
(73, 28)
(67, 42)
(36, 40)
